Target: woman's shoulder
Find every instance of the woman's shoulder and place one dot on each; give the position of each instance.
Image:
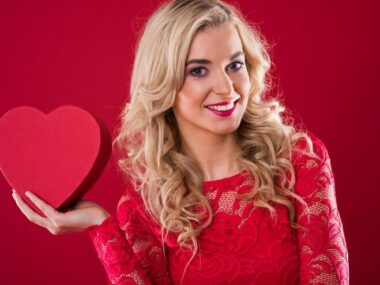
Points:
(130, 204)
(313, 173)
(303, 149)
(130, 196)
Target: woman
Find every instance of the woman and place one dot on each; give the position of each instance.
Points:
(221, 190)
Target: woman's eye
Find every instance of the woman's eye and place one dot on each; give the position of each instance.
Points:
(236, 65)
(199, 71)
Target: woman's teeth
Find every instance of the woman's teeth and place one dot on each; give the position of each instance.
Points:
(222, 107)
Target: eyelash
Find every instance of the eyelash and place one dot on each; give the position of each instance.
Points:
(236, 62)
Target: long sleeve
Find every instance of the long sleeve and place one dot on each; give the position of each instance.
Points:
(323, 250)
(128, 248)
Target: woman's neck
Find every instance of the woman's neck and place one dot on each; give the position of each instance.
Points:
(216, 156)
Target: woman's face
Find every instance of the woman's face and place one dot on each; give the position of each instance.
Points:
(215, 92)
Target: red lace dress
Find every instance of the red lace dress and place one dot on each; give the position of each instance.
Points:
(243, 245)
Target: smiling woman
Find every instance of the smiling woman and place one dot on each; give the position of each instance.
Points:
(221, 189)
(213, 100)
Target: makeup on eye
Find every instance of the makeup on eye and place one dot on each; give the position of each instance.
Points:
(240, 63)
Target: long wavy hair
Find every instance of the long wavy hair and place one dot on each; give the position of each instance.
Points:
(170, 183)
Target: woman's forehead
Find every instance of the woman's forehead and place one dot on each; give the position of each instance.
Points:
(222, 40)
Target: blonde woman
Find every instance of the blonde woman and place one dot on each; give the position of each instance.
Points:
(221, 188)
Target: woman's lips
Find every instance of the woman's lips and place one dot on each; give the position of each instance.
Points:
(218, 104)
(222, 110)
(223, 103)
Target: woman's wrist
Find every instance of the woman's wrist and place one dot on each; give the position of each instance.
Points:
(99, 219)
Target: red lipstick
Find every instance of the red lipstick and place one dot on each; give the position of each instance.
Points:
(218, 109)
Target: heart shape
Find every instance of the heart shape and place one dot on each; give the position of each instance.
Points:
(58, 156)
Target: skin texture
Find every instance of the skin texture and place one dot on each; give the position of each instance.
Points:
(209, 138)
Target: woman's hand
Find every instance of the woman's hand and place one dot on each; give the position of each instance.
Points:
(83, 215)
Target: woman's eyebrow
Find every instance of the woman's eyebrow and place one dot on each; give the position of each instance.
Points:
(206, 61)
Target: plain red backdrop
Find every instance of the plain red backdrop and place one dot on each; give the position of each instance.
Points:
(81, 52)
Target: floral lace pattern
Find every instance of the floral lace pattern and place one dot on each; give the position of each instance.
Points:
(323, 249)
(243, 245)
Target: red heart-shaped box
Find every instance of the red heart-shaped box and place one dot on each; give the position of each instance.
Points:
(58, 156)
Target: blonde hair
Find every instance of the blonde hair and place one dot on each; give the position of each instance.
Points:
(170, 183)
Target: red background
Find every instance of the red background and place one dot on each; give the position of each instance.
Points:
(81, 52)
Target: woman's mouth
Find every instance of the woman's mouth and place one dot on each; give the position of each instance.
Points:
(223, 109)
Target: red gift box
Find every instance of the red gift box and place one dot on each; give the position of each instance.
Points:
(58, 156)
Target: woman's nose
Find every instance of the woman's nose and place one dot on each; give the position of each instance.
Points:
(223, 84)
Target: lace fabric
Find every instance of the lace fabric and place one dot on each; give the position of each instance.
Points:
(243, 245)
(323, 249)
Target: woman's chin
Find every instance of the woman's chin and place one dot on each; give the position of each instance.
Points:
(225, 130)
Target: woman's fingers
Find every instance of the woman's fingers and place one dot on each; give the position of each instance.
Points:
(50, 213)
(29, 213)
(58, 222)
(45, 208)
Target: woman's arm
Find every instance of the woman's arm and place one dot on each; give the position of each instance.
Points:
(131, 255)
(127, 247)
(323, 250)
